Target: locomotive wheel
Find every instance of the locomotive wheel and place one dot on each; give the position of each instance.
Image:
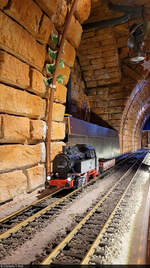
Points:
(80, 181)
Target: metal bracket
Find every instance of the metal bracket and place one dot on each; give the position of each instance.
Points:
(52, 86)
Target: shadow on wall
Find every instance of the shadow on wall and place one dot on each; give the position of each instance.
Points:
(95, 119)
(84, 113)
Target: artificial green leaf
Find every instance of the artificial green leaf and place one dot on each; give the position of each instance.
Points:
(48, 81)
(54, 38)
(60, 78)
(61, 63)
(50, 68)
(52, 53)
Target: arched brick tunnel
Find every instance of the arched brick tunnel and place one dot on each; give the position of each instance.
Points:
(116, 93)
(135, 114)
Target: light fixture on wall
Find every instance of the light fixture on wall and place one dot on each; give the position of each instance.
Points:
(136, 43)
(138, 57)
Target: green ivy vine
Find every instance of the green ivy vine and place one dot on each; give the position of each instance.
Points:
(50, 67)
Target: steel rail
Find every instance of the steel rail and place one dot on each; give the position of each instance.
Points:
(97, 240)
(25, 222)
(29, 206)
(67, 239)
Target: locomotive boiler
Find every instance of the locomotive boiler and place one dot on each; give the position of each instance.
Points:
(74, 166)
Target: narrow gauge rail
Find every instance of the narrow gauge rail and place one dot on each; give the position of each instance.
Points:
(33, 204)
(48, 213)
(22, 217)
(76, 247)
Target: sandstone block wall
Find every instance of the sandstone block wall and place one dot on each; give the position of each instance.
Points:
(25, 28)
(80, 107)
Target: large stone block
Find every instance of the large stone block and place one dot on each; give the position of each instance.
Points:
(31, 17)
(49, 7)
(3, 3)
(12, 184)
(36, 177)
(58, 112)
(37, 83)
(16, 40)
(66, 72)
(83, 10)
(20, 156)
(19, 102)
(60, 93)
(15, 129)
(1, 133)
(38, 130)
(56, 148)
(5, 194)
(13, 71)
(60, 16)
(58, 131)
(74, 32)
(46, 27)
(26, 12)
(69, 54)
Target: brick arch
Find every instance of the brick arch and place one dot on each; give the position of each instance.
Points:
(134, 115)
(142, 117)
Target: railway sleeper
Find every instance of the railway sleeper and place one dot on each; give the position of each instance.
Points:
(65, 261)
(42, 205)
(44, 216)
(92, 225)
(50, 213)
(7, 225)
(94, 221)
(78, 243)
(76, 254)
(76, 246)
(98, 211)
(80, 238)
(29, 213)
(58, 207)
(89, 236)
(95, 230)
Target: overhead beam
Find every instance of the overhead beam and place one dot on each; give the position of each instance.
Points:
(130, 12)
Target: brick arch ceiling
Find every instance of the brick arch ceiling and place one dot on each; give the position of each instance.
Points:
(135, 114)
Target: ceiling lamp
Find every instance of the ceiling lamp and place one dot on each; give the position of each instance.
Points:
(136, 42)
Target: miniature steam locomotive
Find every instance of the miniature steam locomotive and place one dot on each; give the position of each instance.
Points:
(75, 166)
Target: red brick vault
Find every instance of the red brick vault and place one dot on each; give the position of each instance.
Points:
(135, 114)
